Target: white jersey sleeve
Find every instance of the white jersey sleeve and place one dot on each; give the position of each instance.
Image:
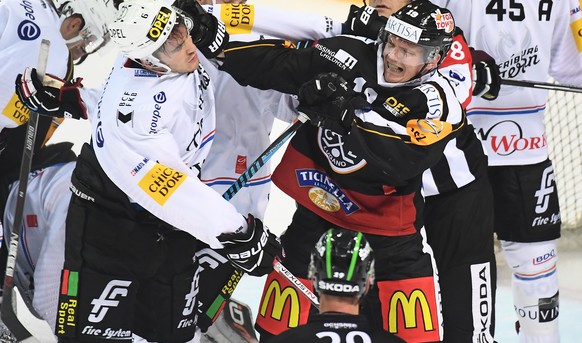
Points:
(151, 136)
(245, 22)
(566, 59)
(24, 25)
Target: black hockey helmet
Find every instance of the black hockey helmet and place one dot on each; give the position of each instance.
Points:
(425, 24)
(342, 263)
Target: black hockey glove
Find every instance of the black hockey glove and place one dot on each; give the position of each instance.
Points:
(52, 97)
(253, 250)
(486, 79)
(330, 103)
(207, 32)
(364, 21)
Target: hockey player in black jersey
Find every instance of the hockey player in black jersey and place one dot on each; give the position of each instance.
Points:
(459, 199)
(342, 272)
(362, 170)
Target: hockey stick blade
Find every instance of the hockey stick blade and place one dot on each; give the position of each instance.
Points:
(541, 85)
(13, 304)
(233, 325)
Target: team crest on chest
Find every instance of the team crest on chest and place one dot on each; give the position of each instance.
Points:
(341, 159)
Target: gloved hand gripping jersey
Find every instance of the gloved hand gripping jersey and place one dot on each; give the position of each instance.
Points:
(208, 33)
(330, 103)
(252, 250)
(51, 97)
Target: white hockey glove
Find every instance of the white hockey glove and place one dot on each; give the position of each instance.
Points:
(51, 97)
(254, 250)
(486, 79)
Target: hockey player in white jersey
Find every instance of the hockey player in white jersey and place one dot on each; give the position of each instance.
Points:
(139, 207)
(75, 28)
(42, 237)
(529, 40)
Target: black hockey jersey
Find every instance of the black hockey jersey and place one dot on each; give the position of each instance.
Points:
(335, 327)
(369, 179)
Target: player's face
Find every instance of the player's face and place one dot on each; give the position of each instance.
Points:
(403, 60)
(179, 52)
(78, 40)
(387, 7)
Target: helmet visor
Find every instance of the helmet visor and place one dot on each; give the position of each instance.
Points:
(93, 40)
(404, 51)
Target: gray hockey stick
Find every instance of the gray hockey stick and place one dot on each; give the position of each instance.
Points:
(13, 304)
(541, 85)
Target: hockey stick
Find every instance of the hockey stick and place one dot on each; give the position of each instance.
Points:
(295, 282)
(264, 157)
(38, 329)
(541, 85)
(237, 274)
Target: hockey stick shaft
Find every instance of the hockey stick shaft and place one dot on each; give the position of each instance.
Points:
(264, 157)
(295, 282)
(541, 85)
(11, 298)
(239, 184)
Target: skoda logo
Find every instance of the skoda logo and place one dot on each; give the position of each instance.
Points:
(28, 30)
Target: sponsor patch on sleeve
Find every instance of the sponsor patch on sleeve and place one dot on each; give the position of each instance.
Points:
(161, 182)
(16, 111)
(576, 27)
(427, 131)
(238, 18)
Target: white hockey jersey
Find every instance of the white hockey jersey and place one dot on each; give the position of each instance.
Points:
(529, 39)
(151, 136)
(245, 115)
(42, 236)
(23, 24)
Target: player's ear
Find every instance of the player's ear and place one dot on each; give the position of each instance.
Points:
(71, 26)
(434, 63)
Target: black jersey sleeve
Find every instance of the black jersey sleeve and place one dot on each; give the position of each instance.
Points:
(279, 65)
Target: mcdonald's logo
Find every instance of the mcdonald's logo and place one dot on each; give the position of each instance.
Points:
(409, 305)
(288, 296)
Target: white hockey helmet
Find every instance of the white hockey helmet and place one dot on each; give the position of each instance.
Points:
(141, 27)
(96, 14)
